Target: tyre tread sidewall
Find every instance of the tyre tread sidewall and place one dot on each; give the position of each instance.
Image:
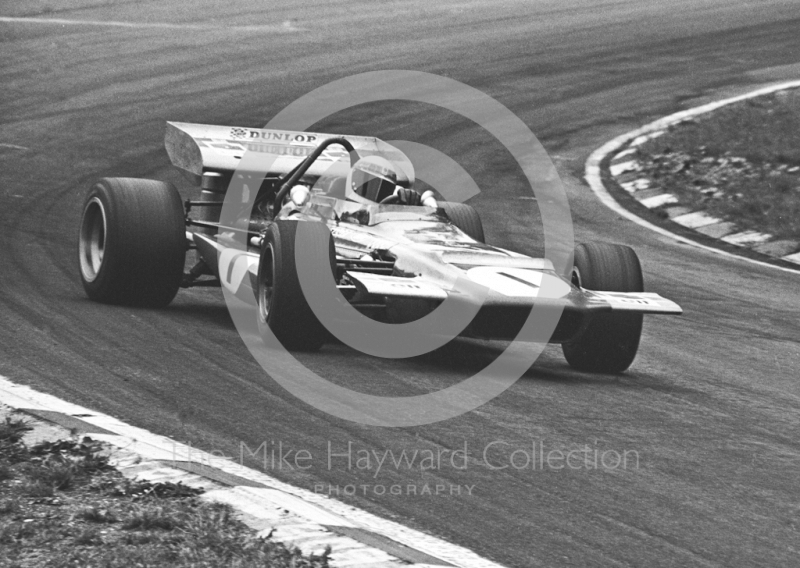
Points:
(145, 242)
(611, 341)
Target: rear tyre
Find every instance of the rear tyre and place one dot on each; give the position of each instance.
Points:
(465, 218)
(610, 342)
(281, 304)
(132, 242)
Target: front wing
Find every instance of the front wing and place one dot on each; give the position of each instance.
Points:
(639, 302)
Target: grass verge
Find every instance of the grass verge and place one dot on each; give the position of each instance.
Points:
(740, 163)
(62, 504)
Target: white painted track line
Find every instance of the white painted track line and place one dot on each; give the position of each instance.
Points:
(696, 219)
(286, 27)
(746, 237)
(793, 257)
(658, 200)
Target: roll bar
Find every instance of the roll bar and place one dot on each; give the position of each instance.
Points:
(294, 176)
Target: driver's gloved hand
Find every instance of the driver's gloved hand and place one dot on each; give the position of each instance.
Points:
(408, 196)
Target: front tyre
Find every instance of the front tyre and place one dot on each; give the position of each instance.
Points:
(132, 242)
(610, 342)
(282, 307)
(465, 218)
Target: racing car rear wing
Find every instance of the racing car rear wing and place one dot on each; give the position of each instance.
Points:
(197, 148)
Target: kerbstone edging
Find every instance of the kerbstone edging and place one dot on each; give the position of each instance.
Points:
(615, 159)
(289, 514)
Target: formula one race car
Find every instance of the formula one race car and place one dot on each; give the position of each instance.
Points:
(391, 262)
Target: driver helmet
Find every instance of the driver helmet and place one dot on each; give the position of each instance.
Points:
(373, 181)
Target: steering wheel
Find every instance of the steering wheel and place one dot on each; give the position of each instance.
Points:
(390, 199)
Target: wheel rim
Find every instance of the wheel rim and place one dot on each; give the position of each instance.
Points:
(576, 277)
(266, 283)
(92, 240)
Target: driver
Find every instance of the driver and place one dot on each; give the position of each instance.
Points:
(373, 182)
(407, 196)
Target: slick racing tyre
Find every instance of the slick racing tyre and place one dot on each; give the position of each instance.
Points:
(281, 303)
(132, 242)
(610, 342)
(465, 218)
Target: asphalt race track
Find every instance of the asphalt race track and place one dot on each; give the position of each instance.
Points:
(711, 405)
